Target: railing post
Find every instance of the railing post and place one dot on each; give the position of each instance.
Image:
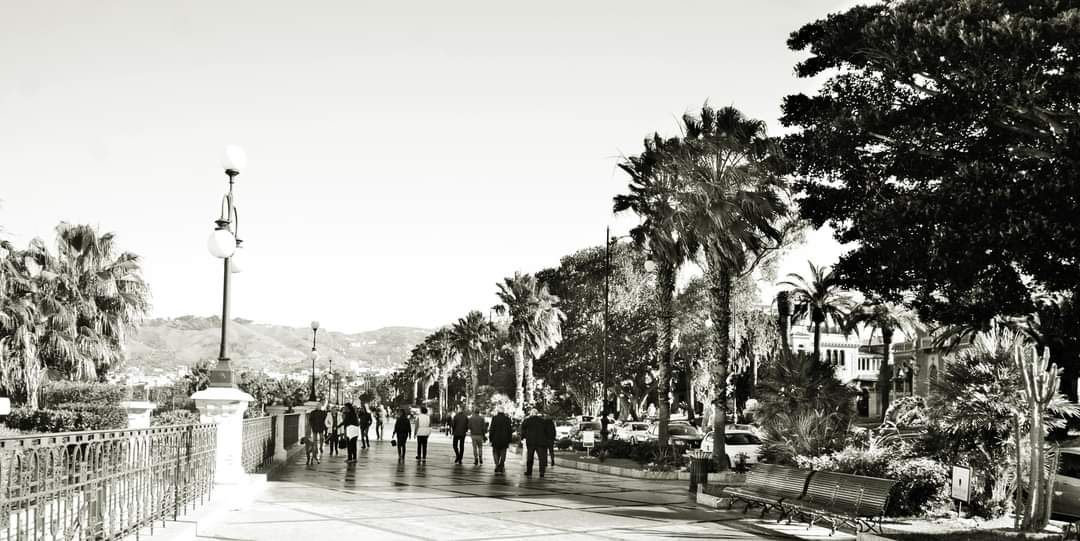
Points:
(281, 454)
(224, 406)
(303, 411)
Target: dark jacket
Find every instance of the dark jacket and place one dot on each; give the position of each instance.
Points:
(350, 419)
(460, 424)
(533, 432)
(365, 419)
(477, 425)
(501, 433)
(403, 428)
(317, 420)
(549, 430)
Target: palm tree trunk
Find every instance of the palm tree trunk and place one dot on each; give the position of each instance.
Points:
(444, 392)
(474, 381)
(720, 285)
(519, 373)
(885, 375)
(817, 341)
(415, 391)
(783, 309)
(530, 380)
(665, 290)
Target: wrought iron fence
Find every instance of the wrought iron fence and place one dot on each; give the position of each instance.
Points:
(102, 484)
(258, 443)
(292, 429)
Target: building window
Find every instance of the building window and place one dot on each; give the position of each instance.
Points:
(843, 361)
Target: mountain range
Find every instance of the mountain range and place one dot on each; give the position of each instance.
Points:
(168, 344)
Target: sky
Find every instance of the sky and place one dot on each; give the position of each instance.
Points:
(403, 156)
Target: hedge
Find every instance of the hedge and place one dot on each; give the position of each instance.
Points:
(73, 418)
(57, 394)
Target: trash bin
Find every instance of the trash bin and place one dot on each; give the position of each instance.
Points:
(699, 468)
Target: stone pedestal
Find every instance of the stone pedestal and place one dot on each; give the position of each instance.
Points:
(225, 407)
(138, 413)
(281, 454)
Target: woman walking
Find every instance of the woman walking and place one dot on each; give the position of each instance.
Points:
(365, 425)
(402, 431)
(335, 433)
(351, 422)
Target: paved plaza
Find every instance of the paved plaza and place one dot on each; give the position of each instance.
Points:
(381, 499)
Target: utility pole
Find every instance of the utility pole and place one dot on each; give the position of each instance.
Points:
(604, 360)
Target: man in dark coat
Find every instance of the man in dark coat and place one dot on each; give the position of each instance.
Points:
(459, 428)
(500, 434)
(534, 433)
(549, 431)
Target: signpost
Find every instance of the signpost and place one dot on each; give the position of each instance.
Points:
(5, 406)
(961, 486)
(588, 439)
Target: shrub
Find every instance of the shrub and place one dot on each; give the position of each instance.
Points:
(907, 412)
(74, 418)
(175, 417)
(56, 394)
(805, 433)
(922, 484)
(614, 448)
(564, 444)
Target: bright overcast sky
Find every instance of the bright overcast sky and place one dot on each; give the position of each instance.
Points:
(403, 156)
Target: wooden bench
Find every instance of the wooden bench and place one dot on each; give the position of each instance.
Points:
(768, 486)
(841, 498)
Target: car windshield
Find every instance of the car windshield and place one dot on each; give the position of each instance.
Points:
(1070, 465)
(640, 426)
(683, 430)
(589, 426)
(741, 439)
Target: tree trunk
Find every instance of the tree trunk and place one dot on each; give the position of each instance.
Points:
(783, 309)
(444, 392)
(530, 381)
(885, 375)
(665, 291)
(817, 341)
(519, 373)
(474, 383)
(720, 284)
(414, 398)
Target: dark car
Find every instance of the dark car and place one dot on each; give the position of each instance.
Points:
(680, 436)
(1067, 486)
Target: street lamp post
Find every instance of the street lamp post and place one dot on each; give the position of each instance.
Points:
(314, 357)
(608, 241)
(224, 243)
(330, 383)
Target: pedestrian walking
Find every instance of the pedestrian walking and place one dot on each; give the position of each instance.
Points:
(501, 433)
(335, 431)
(549, 433)
(459, 426)
(536, 444)
(378, 413)
(365, 425)
(351, 422)
(402, 432)
(316, 421)
(478, 433)
(423, 430)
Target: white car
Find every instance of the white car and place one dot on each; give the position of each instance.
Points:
(563, 429)
(633, 432)
(736, 442)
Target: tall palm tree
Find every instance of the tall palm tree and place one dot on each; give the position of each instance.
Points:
(737, 200)
(819, 299)
(665, 238)
(535, 326)
(888, 318)
(21, 371)
(471, 337)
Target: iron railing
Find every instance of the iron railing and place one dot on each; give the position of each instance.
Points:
(103, 484)
(292, 429)
(258, 438)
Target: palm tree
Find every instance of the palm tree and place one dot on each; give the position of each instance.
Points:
(471, 337)
(535, 326)
(21, 372)
(737, 201)
(888, 318)
(665, 238)
(818, 299)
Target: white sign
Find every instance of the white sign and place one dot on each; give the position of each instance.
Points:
(961, 483)
(5, 406)
(588, 438)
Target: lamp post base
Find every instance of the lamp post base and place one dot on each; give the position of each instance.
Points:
(225, 407)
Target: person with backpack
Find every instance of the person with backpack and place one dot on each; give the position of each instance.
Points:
(365, 425)
(478, 431)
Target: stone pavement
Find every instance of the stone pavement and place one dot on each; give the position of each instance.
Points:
(377, 498)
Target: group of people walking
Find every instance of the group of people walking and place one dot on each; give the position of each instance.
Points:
(536, 432)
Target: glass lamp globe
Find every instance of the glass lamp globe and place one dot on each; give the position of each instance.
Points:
(314, 355)
(234, 158)
(221, 243)
(314, 325)
(237, 262)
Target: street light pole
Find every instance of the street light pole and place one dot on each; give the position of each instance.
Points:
(604, 363)
(314, 357)
(330, 383)
(224, 243)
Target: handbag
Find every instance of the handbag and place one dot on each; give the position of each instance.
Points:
(342, 443)
(393, 443)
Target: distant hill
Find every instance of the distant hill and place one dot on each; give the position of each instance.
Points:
(168, 344)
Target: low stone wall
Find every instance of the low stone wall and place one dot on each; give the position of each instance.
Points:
(599, 467)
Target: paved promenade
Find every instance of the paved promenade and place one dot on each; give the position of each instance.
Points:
(380, 499)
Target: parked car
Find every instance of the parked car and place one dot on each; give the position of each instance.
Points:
(1067, 484)
(737, 442)
(563, 429)
(680, 436)
(632, 431)
(576, 434)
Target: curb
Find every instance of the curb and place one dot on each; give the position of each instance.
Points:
(623, 472)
